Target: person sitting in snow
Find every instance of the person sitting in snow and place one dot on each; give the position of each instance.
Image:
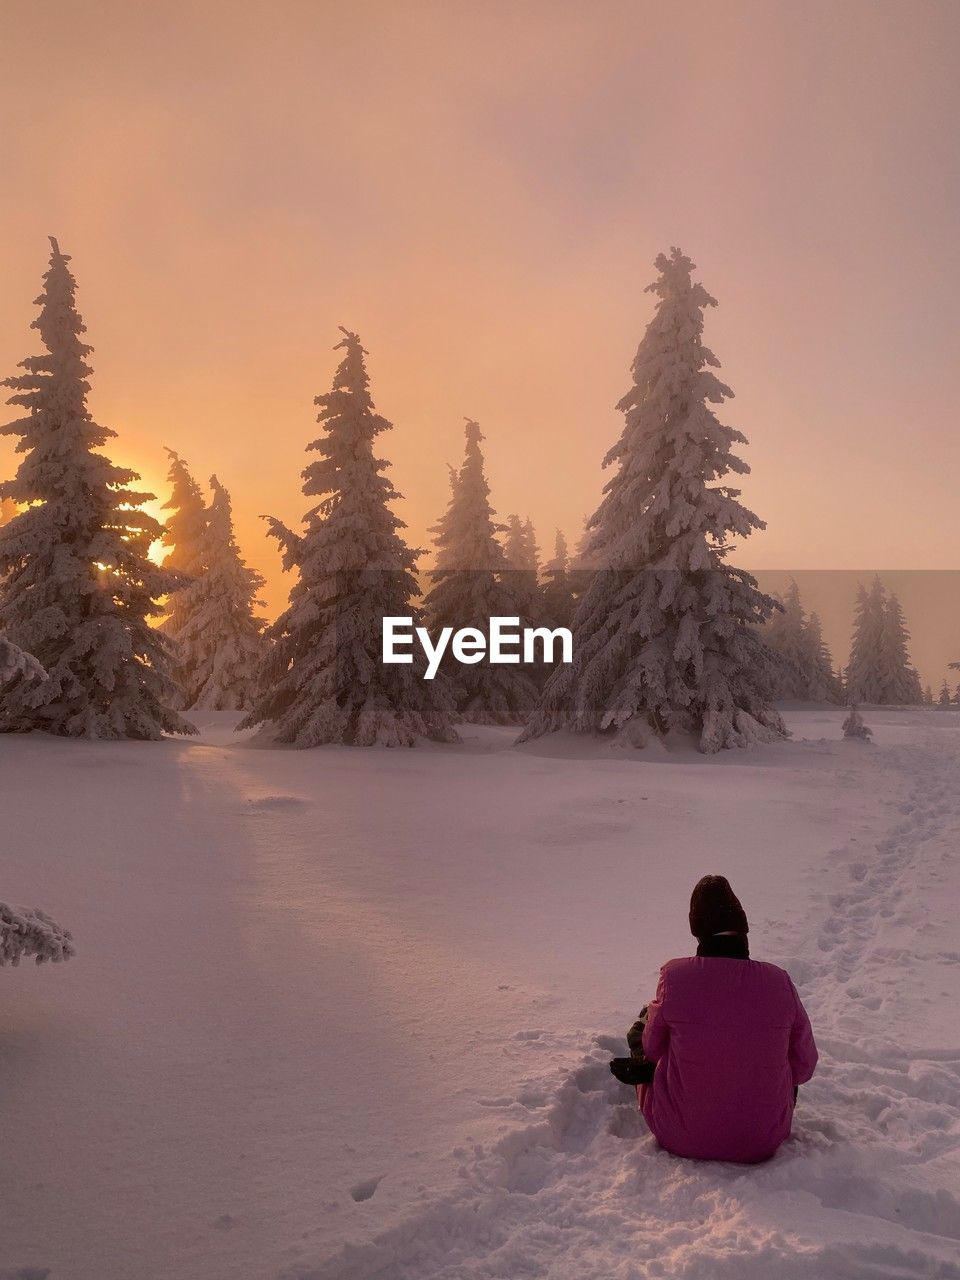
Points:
(718, 1055)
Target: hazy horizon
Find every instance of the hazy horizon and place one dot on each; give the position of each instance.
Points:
(480, 192)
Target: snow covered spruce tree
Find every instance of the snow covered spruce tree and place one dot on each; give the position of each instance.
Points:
(944, 701)
(901, 680)
(864, 674)
(666, 635)
(823, 683)
(470, 584)
(786, 635)
(514, 549)
(78, 588)
(323, 680)
(523, 565)
(182, 533)
(879, 670)
(219, 640)
(557, 594)
(807, 668)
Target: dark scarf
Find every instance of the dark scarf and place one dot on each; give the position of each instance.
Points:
(732, 946)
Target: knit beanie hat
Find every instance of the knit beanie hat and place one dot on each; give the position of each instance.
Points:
(715, 908)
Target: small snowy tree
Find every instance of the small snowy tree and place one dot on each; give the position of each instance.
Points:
(667, 632)
(220, 645)
(864, 675)
(470, 584)
(79, 589)
(182, 534)
(944, 700)
(324, 680)
(901, 681)
(32, 933)
(854, 726)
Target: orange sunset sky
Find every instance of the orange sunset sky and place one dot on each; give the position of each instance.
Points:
(480, 189)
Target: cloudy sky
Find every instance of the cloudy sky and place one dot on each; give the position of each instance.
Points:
(480, 189)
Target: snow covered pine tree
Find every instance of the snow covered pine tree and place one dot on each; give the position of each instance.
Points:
(78, 586)
(666, 635)
(879, 670)
(220, 644)
(523, 565)
(323, 680)
(901, 680)
(785, 635)
(798, 640)
(823, 683)
(182, 533)
(864, 674)
(557, 596)
(470, 584)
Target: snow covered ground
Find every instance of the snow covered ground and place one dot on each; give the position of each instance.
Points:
(337, 1015)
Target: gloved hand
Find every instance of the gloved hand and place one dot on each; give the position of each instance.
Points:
(631, 1071)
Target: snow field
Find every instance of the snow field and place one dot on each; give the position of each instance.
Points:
(346, 1015)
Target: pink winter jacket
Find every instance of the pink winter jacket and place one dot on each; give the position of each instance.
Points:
(730, 1039)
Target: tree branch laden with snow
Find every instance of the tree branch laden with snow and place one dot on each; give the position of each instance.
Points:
(32, 933)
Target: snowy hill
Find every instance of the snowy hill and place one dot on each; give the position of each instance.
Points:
(338, 1015)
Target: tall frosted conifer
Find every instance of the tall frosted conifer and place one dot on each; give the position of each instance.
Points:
(220, 645)
(785, 634)
(182, 534)
(470, 584)
(557, 596)
(879, 669)
(324, 680)
(523, 562)
(823, 684)
(78, 586)
(864, 674)
(901, 681)
(807, 668)
(666, 635)
(514, 545)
